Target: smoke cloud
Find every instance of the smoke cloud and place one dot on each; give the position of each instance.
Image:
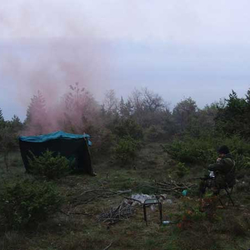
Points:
(47, 46)
(180, 48)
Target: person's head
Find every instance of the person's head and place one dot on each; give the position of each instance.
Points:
(223, 150)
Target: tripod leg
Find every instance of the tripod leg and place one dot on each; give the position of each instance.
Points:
(229, 196)
(221, 202)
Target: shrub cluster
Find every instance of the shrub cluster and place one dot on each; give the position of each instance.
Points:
(192, 150)
(128, 128)
(26, 202)
(204, 150)
(49, 165)
(155, 133)
(126, 149)
(182, 170)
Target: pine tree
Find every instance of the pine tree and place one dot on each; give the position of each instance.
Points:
(36, 118)
(80, 109)
(2, 122)
(1, 115)
(125, 108)
(16, 124)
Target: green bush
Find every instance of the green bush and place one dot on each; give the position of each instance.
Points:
(26, 202)
(103, 143)
(204, 150)
(126, 149)
(49, 166)
(182, 170)
(192, 150)
(242, 162)
(155, 133)
(128, 128)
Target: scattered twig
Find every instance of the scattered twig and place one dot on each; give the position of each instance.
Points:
(173, 186)
(78, 213)
(75, 213)
(123, 211)
(93, 194)
(107, 247)
(128, 198)
(61, 211)
(124, 191)
(89, 191)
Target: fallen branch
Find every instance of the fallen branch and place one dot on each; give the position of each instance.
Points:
(107, 247)
(88, 191)
(124, 191)
(61, 211)
(128, 198)
(75, 213)
(172, 186)
(123, 211)
(94, 194)
(78, 213)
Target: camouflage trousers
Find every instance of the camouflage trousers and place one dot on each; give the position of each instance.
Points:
(215, 184)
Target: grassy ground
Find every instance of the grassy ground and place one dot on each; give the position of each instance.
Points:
(77, 226)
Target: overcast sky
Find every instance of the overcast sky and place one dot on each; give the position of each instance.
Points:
(178, 48)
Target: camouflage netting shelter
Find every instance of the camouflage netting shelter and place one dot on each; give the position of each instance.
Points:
(73, 147)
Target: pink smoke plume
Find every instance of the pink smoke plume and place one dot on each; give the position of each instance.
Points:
(50, 46)
(76, 112)
(51, 66)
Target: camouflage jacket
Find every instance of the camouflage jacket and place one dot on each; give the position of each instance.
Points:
(224, 170)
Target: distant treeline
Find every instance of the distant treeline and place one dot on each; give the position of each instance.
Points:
(144, 115)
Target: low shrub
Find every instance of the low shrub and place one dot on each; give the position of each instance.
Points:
(126, 149)
(128, 128)
(26, 202)
(204, 150)
(231, 225)
(155, 133)
(243, 185)
(242, 162)
(104, 141)
(49, 166)
(192, 150)
(240, 150)
(182, 170)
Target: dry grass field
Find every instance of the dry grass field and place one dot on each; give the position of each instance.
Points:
(80, 223)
